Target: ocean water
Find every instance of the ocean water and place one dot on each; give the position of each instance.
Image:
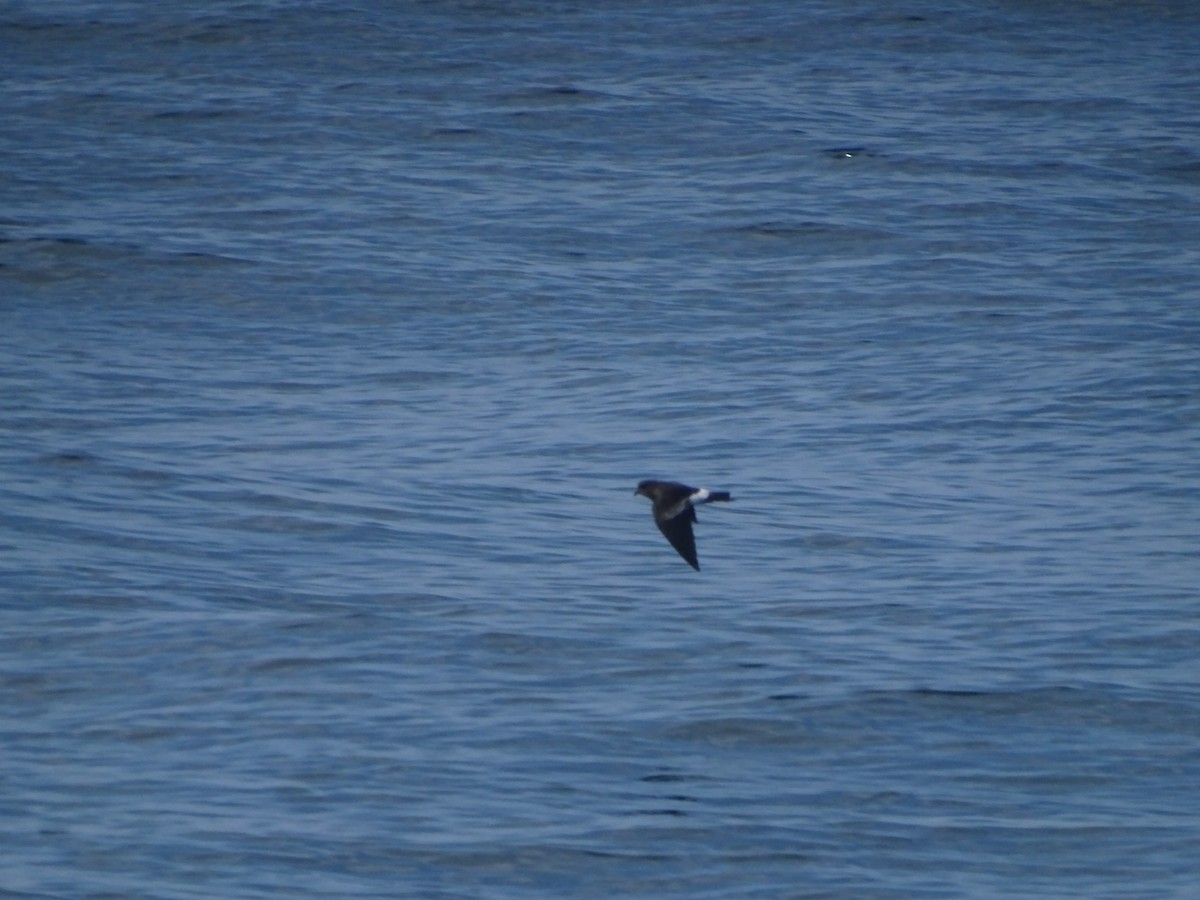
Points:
(334, 339)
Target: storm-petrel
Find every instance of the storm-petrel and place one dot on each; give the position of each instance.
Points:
(674, 512)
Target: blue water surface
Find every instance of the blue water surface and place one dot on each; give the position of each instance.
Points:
(334, 339)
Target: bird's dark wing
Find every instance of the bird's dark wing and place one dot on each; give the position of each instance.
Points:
(678, 531)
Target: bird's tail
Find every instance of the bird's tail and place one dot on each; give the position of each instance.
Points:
(717, 495)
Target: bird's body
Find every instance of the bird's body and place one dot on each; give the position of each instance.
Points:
(674, 512)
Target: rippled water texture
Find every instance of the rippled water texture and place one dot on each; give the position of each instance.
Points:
(334, 340)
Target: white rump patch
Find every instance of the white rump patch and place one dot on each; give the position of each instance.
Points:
(701, 496)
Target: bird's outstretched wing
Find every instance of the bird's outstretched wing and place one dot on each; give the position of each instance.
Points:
(678, 530)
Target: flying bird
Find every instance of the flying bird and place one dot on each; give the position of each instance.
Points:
(674, 512)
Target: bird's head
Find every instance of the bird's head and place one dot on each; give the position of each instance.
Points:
(643, 488)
